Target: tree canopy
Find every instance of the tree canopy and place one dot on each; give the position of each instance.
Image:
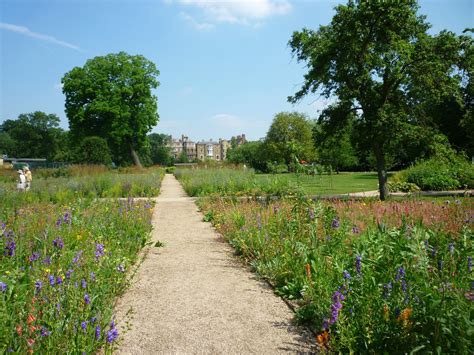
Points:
(32, 135)
(111, 97)
(378, 61)
(289, 138)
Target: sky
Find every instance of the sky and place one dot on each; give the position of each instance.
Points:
(225, 66)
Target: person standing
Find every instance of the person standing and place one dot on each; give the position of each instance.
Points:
(29, 178)
(22, 181)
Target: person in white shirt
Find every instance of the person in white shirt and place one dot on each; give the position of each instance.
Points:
(22, 181)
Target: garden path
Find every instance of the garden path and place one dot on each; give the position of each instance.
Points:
(194, 296)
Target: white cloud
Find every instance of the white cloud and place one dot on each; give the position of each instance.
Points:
(246, 12)
(26, 32)
(204, 26)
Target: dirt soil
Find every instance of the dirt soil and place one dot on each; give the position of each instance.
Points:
(193, 296)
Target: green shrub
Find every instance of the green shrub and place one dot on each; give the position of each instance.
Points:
(439, 173)
(170, 169)
(402, 187)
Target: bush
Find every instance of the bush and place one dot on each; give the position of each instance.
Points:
(94, 150)
(440, 174)
(402, 187)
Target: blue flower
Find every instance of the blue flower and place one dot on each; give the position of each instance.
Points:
(335, 223)
(68, 273)
(346, 275)
(87, 299)
(38, 286)
(97, 332)
(35, 256)
(400, 274)
(99, 250)
(58, 243)
(52, 280)
(45, 332)
(3, 287)
(84, 326)
(83, 283)
(358, 264)
(59, 280)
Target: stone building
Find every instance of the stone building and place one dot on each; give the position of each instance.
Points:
(212, 150)
(183, 144)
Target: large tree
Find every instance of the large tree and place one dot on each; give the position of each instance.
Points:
(377, 59)
(111, 97)
(35, 135)
(160, 148)
(289, 138)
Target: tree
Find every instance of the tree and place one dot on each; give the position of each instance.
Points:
(335, 148)
(35, 135)
(160, 148)
(111, 97)
(252, 154)
(289, 138)
(378, 61)
(94, 150)
(7, 144)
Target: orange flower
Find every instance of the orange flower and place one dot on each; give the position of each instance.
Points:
(406, 313)
(308, 271)
(31, 319)
(32, 328)
(19, 330)
(323, 338)
(30, 342)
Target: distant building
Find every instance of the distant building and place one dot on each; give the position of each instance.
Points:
(213, 150)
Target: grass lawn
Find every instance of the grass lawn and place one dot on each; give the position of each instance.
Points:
(330, 184)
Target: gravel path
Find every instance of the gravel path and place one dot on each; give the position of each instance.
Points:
(194, 296)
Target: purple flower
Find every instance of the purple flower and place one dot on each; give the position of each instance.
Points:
(58, 222)
(336, 306)
(97, 332)
(52, 280)
(335, 223)
(93, 319)
(45, 332)
(112, 334)
(87, 299)
(325, 323)
(67, 218)
(83, 283)
(59, 280)
(68, 273)
(35, 256)
(76, 258)
(358, 264)
(400, 274)
(346, 275)
(3, 287)
(469, 263)
(58, 243)
(10, 248)
(99, 250)
(84, 326)
(404, 286)
(92, 276)
(121, 268)
(355, 230)
(38, 286)
(47, 260)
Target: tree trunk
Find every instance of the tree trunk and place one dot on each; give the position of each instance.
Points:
(136, 159)
(382, 174)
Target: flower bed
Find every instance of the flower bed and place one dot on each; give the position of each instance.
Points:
(61, 270)
(367, 276)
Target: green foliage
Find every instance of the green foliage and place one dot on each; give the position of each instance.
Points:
(380, 63)
(94, 150)
(111, 97)
(289, 139)
(7, 144)
(402, 187)
(252, 154)
(440, 174)
(160, 151)
(32, 135)
(373, 277)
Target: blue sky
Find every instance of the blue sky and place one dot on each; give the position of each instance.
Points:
(225, 65)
